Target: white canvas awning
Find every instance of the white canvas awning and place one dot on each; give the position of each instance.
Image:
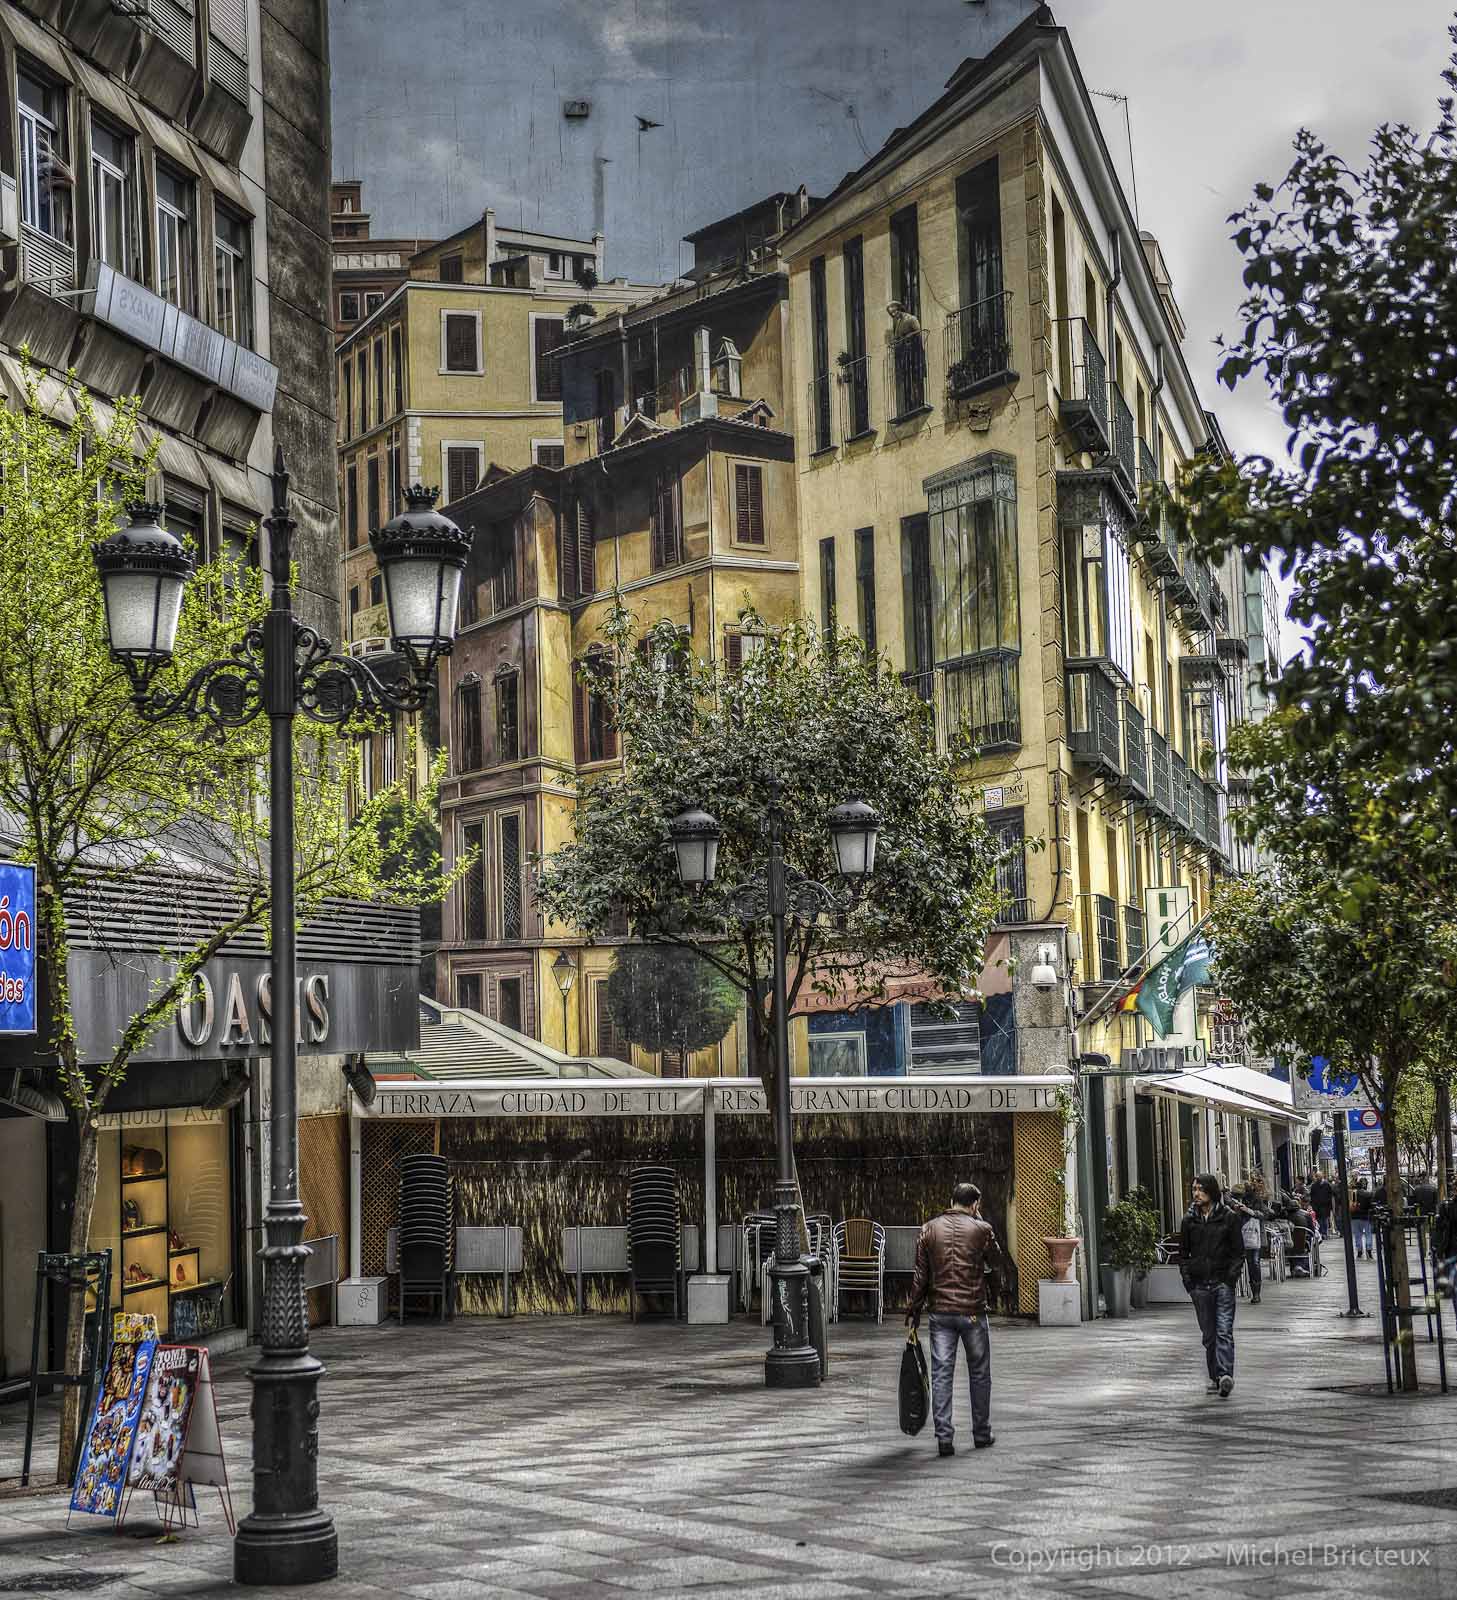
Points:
(1199, 1089)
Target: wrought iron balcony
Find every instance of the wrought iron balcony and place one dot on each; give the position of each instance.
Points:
(905, 375)
(854, 377)
(1135, 942)
(1135, 752)
(1094, 733)
(821, 413)
(1160, 773)
(1148, 467)
(979, 347)
(1122, 457)
(1083, 403)
(1182, 796)
(976, 701)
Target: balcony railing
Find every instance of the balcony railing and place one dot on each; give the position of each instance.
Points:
(977, 701)
(1135, 751)
(1182, 795)
(905, 375)
(1160, 774)
(1123, 442)
(854, 377)
(1093, 730)
(978, 347)
(1083, 402)
(50, 264)
(1134, 941)
(1148, 467)
(821, 413)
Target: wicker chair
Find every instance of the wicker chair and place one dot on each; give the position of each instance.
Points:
(860, 1248)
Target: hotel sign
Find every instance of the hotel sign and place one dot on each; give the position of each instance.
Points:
(149, 320)
(634, 1098)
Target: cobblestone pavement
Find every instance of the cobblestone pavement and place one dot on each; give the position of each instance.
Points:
(562, 1458)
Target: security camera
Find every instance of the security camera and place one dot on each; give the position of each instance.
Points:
(1044, 972)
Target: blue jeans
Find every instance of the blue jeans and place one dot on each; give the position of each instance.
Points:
(1362, 1237)
(1214, 1307)
(947, 1332)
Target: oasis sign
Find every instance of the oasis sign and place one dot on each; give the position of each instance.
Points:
(17, 948)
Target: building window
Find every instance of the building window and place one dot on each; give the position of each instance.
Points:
(361, 388)
(473, 884)
(508, 726)
(554, 268)
(606, 408)
(346, 410)
(548, 455)
(827, 585)
(979, 234)
(351, 504)
(586, 543)
(667, 521)
(379, 407)
(397, 364)
(916, 592)
(348, 307)
(372, 303)
(462, 471)
(819, 389)
(468, 728)
(460, 341)
(973, 550)
(44, 173)
(468, 990)
(376, 588)
(353, 602)
(905, 260)
(397, 484)
(452, 269)
(505, 585)
(233, 276)
(111, 197)
(610, 1042)
(176, 260)
(855, 374)
(865, 587)
(748, 503)
(511, 896)
(371, 492)
(1006, 828)
(1097, 602)
(596, 737)
(508, 1004)
(187, 513)
(546, 337)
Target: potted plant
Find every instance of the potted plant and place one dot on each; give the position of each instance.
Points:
(1129, 1236)
(1138, 1295)
(1062, 1248)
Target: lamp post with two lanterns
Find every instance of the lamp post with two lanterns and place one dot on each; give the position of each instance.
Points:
(781, 894)
(282, 669)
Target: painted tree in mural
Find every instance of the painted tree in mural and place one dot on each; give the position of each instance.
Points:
(1347, 947)
(94, 793)
(833, 727)
(667, 1000)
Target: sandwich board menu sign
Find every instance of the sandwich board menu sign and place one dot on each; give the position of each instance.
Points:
(166, 1411)
(101, 1477)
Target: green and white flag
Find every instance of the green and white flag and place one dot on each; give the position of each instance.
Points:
(1185, 966)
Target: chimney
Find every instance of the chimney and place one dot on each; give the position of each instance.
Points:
(701, 359)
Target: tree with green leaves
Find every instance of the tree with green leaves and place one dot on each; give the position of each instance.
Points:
(665, 999)
(1351, 325)
(97, 793)
(812, 713)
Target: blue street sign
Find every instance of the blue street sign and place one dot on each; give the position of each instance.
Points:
(17, 948)
(1366, 1120)
(1325, 1080)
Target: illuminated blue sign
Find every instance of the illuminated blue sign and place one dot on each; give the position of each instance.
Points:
(17, 948)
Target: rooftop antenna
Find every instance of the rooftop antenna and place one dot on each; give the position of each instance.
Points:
(1122, 100)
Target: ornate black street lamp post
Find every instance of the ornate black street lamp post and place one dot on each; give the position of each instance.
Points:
(782, 895)
(279, 670)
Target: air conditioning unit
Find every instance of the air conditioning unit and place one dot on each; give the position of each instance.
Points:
(9, 211)
(697, 406)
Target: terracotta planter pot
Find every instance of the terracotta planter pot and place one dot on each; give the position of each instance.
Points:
(1061, 1252)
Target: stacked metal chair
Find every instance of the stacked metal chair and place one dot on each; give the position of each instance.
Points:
(860, 1246)
(427, 1233)
(822, 1243)
(654, 1235)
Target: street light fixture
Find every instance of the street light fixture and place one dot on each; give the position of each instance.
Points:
(782, 894)
(282, 669)
(564, 970)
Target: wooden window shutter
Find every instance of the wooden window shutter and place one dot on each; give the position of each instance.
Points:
(462, 469)
(460, 343)
(586, 550)
(570, 546)
(733, 649)
(748, 503)
(579, 717)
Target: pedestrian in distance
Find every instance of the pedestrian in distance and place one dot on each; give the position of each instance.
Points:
(1424, 1196)
(1252, 1232)
(1322, 1200)
(1211, 1258)
(1363, 1240)
(958, 1271)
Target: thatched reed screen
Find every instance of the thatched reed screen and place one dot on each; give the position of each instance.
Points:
(547, 1173)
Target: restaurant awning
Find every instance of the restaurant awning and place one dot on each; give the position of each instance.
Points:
(1195, 1088)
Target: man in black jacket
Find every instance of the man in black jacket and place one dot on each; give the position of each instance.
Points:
(1211, 1257)
(1322, 1202)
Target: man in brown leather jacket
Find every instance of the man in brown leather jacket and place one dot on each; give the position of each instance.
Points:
(958, 1267)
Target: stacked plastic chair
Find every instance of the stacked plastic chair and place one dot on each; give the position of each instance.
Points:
(654, 1235)
(427, 1233)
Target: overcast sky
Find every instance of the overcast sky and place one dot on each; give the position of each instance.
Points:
(443, 107)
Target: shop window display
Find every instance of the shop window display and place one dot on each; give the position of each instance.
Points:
(165, 1207)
